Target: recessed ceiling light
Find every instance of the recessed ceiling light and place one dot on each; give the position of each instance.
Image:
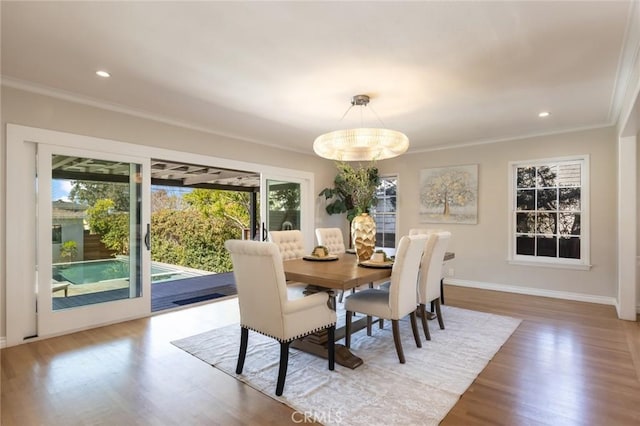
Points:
(544, 114)
(103, 74)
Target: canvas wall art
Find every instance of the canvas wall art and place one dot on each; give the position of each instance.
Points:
(449, 194)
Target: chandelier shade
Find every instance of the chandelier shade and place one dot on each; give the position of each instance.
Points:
(361, 144)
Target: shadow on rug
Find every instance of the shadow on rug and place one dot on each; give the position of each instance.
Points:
(381, 391)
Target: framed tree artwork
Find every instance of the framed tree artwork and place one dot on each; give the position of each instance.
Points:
(449, 194)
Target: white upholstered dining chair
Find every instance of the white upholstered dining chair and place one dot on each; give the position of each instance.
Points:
(399, 301)
(332, 239)
(265, 307)
(290, 243)
(430, 277)
(425, 231)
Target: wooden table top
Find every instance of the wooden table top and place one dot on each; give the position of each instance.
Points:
(341, 274)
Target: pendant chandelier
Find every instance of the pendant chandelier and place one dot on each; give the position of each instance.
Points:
(363, 143)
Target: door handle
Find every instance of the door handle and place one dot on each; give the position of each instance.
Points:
(147, 237)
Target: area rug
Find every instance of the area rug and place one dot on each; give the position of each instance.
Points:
(381, 391)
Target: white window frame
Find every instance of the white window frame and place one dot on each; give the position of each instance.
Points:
(584, 263)
(395, 213)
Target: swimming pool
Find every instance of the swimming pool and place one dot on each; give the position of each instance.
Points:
(111, 269)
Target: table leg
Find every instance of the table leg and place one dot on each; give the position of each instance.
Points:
(430, 315)
(316, 344)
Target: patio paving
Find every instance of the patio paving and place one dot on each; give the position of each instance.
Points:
(164, 295)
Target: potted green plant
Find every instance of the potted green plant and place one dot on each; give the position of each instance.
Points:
(354, 189)
(354, 193)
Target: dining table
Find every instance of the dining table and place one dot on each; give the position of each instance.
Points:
(340, 272)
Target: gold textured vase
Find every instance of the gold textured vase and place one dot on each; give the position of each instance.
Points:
(363, 235)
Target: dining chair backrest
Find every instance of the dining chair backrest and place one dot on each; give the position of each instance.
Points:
(261, 284)
(422, 231)
(404, 275)
(290, 243)
(431, 266)
(332, 239)
(427, 231)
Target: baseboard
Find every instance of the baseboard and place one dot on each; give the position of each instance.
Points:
(3, 342)
(580, 297)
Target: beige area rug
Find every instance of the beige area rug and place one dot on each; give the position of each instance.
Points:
(381, 391)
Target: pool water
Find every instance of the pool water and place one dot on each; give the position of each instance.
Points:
(111, 269)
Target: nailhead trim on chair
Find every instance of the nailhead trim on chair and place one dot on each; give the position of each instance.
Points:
(293, 338)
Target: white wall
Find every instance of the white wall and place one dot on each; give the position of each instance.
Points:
(481, 250)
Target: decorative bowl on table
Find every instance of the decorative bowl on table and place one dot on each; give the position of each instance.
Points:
(379, 259)
(320, 253)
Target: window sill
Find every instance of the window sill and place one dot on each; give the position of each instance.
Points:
(576, 267)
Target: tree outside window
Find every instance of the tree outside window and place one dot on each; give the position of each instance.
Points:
(549, 210)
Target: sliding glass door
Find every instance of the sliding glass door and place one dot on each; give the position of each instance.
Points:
(92, 239)
(283, 203)
(78, 215)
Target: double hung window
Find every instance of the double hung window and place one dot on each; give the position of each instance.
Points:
(549, 212)
(385, 212)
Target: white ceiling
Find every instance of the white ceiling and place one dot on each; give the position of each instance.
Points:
(281, 73)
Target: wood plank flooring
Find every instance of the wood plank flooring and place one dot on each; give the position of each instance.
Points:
(569, 363)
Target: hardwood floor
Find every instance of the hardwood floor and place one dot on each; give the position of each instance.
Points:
(568, 363)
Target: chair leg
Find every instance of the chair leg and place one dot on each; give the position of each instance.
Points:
(331, 347)
(425, 324)
(341, 296)
(369, 325)
(396, 339)
(282, 371)
(433, 306)
(244, 338)
(353, 291)
(347, 330)
(442, 290)
(439, 314)
(381, 323)
(414, 328)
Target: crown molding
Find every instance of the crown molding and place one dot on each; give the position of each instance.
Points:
(64, 95)
(628, 75)
(96, 103)
(509, 138)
